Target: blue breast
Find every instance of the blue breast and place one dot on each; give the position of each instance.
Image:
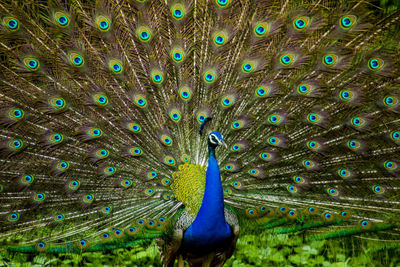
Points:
(209, 229)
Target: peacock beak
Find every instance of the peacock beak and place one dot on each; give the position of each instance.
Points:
(222, 143)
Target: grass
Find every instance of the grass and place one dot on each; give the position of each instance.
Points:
(265, 249)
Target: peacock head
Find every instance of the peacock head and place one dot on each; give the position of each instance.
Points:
(215, 139)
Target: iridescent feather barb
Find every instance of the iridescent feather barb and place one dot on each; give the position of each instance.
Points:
(102, 104)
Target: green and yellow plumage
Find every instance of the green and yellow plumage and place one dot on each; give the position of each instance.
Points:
(188, 186)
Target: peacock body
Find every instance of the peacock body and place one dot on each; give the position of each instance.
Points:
(102, 103)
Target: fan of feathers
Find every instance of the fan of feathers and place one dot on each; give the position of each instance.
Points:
(101, 104)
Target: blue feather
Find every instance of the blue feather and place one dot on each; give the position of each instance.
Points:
(210, 228)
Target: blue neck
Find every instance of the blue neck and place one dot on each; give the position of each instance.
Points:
(211, 214)
(209, 229)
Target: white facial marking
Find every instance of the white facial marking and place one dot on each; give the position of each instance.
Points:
(213, 139)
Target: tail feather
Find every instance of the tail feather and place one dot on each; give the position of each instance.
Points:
(101, 105)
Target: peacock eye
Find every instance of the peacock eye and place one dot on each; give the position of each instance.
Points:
(301, 23)
(376, 64)
(261, 29)
(11, 23)
(61, 19)
(249, 66)
(223, 3)
(219, 39)
(347, 22)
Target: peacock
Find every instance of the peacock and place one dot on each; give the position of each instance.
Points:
(193, 122)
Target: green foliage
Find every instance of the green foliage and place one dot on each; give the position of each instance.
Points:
(265, 249)
(120, 257)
